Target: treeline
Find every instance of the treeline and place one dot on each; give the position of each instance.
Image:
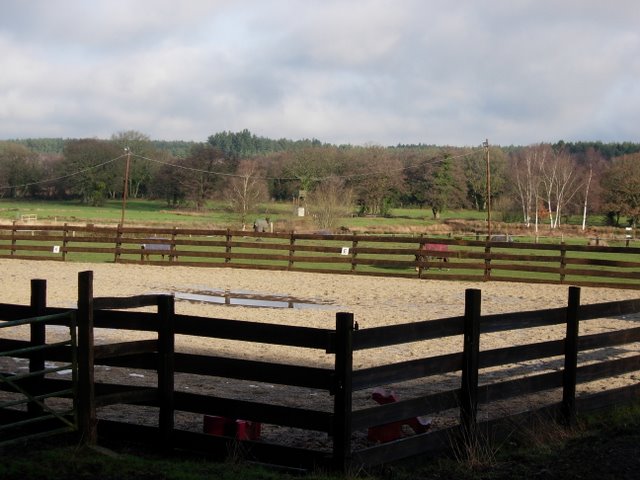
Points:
(234, 144)
(245, 144)
(55, 146)
(533, 184)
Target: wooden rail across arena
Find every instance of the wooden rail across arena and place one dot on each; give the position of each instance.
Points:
(616, 266)
(473, 367)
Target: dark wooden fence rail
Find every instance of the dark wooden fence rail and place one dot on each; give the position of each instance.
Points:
(341, 421)
(400, 256)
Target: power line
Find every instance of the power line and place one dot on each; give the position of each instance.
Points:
(431, 161)
(49, 180)
(198, 170)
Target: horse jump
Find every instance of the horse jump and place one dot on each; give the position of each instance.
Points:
(433, 247)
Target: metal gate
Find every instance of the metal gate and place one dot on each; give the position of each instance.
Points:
(32, 403)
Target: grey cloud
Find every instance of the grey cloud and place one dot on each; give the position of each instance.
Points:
(347, 72)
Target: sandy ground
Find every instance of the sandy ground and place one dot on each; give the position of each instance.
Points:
(374, 301)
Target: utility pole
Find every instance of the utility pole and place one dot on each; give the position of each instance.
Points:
(125, 189)
(486, 151)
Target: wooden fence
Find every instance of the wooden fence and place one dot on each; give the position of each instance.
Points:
(400, 256)
(35, 418)
(338, 384)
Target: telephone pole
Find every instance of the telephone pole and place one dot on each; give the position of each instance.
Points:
(125, 189)
(486, 152)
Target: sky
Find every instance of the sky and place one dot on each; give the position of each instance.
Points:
(360, 72)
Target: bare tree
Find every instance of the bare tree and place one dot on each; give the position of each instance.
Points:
(526, 181)
(592, 166)
(329, 201)
(544, 179)
(560, 182)
(246, 189)
(310, 165)
(586, 198)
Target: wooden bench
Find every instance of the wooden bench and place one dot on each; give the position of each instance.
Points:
(161, 248)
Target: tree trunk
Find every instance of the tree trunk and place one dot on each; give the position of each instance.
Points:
(586, 198)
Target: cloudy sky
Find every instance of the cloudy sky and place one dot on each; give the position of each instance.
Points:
(345, 71)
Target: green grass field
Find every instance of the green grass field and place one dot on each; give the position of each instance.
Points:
(219, 214)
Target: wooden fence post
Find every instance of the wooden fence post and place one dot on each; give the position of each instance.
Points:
(487, 262)
(563, 260)
(227, 248)
(38, 337)
(166, 368)
(419, 257)
(87, 421)
(568, 409)
(118, 243)
(343, 391)
(13, 238)
(470, 364)
(65, 241)
(292, 250)
(354, 253)
(173, 257)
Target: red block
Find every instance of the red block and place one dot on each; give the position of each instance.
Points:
(385, 433)
(246, 430)
(214, 425)
(229, 427)
(418, 424)
(383, 397)
(393, 431)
